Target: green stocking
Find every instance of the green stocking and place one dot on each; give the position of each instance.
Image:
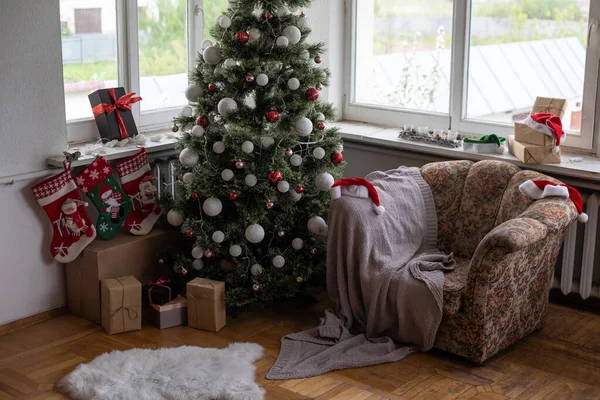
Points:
(98, 182)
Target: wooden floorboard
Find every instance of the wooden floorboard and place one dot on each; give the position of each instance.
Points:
(562, 362)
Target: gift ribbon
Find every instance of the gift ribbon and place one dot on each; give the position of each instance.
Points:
(123, 308)
(161, 283)
(123, 103)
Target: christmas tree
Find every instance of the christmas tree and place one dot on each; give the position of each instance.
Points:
(257, 157)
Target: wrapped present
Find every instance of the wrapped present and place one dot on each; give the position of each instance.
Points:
(550, 105)
(526, 134)
(533, 154)
(485, 144)
(206, 304)
(173, 313)
(158, 292)
(112, 111)
(121, 304)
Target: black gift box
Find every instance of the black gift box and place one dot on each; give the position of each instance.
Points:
(159, 292)
(108, 124)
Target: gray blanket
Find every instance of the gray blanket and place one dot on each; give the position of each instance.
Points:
(386, 277)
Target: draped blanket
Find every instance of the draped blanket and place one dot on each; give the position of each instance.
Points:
(386, 277)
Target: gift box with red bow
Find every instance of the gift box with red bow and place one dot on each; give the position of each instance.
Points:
(159, 292)
(112, 111)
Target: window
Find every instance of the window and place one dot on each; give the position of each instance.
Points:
(473, 65)
(146, 46)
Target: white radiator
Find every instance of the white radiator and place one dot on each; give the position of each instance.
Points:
(577, 271)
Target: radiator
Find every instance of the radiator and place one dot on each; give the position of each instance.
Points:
(163, 170)
(577, 269)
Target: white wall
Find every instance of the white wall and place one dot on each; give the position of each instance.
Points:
(32, 126)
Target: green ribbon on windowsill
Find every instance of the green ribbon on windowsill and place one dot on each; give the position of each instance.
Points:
(486, 139)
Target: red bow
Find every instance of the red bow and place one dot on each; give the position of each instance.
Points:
(159, 282)
(123, 103)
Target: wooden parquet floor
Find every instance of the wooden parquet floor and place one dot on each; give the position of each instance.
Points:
(561, 362)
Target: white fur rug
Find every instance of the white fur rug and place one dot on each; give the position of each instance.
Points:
(185, 372)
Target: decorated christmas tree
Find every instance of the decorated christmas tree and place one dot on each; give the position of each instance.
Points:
(257, 157)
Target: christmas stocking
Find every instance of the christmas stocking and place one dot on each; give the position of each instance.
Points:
(72, 228)
(137, 183)
(105, 192)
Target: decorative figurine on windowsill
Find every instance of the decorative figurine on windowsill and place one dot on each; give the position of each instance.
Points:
(427, 136)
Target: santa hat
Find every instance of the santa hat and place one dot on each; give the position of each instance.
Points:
(541, 188)
(548, 124)
(356, 187)
(103, 190)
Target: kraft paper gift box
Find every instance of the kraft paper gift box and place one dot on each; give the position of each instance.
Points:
(206, 304)
(173, 313)
(526, 134)
(125, 254)
(549, 105)
(121, 304)
(532, 154)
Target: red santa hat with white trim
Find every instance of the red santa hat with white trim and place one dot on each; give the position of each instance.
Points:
(541, 188)
(548, 124)
(356, 187)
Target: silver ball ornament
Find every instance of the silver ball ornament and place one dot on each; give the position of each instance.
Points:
(292, 33)
(235, 250)
(256, 269)
(229, 63)
(255, 233)
(254, 34)
(262, 79)
(267, 141)
(193, 92)
(317, 226)
(282, 41)
(205, 43)
(197, 131)
(227, 174)
(175, 217)
(197, 252)
(296, 160)
(283, 186)
(218, 147)
(293, 83)
(187, 178)
(212, 55)
(247, 147)
(224, 22)
(212, 206)
(197, 264)
(324, 181)
(250, 180)
(319, 153)
(297, 244)
(218, 237)
(226, 106)
(303, 126)
(188, 157)
(278, 261)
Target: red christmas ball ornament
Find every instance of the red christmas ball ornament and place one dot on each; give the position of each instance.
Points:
(281, 234)
(321, 125)
(161, 261)
(233, 196)
(194, 195)
(312, 94)
(211, 87)
(289, 152)
(337, 158)
(268, 16)
(249, 78)
(275, 176)
(239, 164)
(208, 254)
(318, 59)
(270, 204)
(313, 251)
(242, 37)
(183, 271)
(202, 121)
(302, 14)
(256, 287)
(299, 189)
(190, 233)
(272, 116)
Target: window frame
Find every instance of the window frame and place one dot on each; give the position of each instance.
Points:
(456, 118)
(84, 129)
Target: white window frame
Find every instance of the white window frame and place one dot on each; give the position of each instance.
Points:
(456, 118)
(85, 129)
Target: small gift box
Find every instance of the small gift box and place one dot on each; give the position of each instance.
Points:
(526, 134)
(533, 154)
(174, 313)
(159, 292)
(112, 111)
(121, 304)
(550, 105)
(206, 304)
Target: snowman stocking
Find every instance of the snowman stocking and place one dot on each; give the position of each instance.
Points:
(72, 228)
(105, 192)
(137, 183)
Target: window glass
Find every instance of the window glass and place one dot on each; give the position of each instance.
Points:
(522, 49)
(403, 53)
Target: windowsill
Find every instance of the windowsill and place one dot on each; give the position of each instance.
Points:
(167, 142)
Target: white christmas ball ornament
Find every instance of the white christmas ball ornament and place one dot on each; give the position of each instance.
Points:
(302, 22)
(297, 244)
(256, 269)
(218, 237)
(295, 196)
(296, 160)
(187, 178)
(293, 83)
(267, 141)
(339, 148)
(250, 180)
(197, 252)
(219, 147)
(292, 33)
(227, 174)
(197, 264)
(262, 79)
(197, 131)
(247, 147)
(317, 226)
(305, 55)
(278, 261)
(303, 126)
(254, 34)
(175, 217)
(226, 106)
(218, 19)
(235, 250)
(212, 55)
(193, 92)
(320, 117)
(188, 157)
(255, 233)
(283, 186)
(282, 11)
(212, 206)
(205, 44)
(229, 63)
(319, 153)
(282, 41)
(186, 111)
(219, 70)
(224, 22)
(324, 181)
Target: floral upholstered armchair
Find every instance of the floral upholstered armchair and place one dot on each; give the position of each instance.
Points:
(506, 245)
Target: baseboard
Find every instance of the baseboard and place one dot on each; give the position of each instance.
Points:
(574, 300)
(32, 320)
